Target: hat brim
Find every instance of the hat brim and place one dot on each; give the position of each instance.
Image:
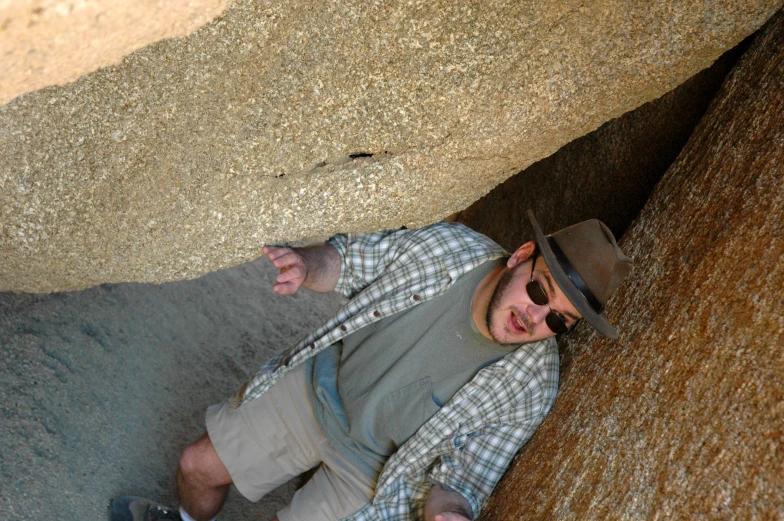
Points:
(567, 286)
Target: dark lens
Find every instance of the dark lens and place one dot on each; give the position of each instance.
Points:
(556, 323)
(536, 293)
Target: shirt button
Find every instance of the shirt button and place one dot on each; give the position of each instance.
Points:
(342, 327)
(416, 297)
(376, 314)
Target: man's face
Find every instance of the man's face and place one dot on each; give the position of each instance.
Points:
(512, 318)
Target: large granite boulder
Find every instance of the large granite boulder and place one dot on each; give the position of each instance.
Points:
(284, 120)
(682, 417)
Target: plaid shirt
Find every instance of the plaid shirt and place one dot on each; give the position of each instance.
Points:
(467, 445)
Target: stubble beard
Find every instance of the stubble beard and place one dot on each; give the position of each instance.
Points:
(495, 304)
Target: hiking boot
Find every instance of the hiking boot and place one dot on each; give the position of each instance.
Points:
(132, 508)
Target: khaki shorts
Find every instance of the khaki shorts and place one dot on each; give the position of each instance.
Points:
(273, 438)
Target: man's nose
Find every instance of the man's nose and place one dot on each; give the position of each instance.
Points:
(538, 313)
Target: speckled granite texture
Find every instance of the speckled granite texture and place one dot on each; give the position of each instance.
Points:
(284, 120)
(682, 417)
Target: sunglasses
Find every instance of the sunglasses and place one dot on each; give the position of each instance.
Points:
(554, 320)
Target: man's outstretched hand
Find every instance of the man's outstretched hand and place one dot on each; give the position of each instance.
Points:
(316, 268)
(293, 269)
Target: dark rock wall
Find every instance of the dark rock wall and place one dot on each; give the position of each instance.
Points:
(683, 416)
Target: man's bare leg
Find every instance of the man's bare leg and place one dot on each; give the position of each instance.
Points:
(202, 480)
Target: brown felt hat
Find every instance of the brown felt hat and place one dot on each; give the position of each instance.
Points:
(587, 265)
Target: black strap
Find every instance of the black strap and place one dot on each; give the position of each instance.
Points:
(573, 275)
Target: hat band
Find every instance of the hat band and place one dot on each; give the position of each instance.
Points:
(575, 277)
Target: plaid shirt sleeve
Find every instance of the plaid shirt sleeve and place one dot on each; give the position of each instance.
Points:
(364, 257)
(405, 257)
(480, 458)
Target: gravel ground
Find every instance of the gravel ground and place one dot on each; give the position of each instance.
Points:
(101, 389)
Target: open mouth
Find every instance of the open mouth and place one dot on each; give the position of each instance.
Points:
(516, 324)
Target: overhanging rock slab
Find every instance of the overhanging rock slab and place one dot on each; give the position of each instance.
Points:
(284, 120)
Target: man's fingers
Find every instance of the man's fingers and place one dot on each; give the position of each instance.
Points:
(273, 252)
(291, 266)
(285, 288)
(291, 274)
(288, 259)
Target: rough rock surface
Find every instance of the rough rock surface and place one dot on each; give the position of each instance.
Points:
(607, 174)
(52, 42)
(279, 121)
(682, 417)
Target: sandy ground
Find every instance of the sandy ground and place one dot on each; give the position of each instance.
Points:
(53, 42)
(101, 389)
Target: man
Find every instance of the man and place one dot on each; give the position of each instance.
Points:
(412, 400)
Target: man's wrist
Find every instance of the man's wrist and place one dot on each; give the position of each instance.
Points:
(322, 267)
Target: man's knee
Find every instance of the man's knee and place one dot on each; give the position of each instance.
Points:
(199, 461)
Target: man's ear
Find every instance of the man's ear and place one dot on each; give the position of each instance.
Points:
(521, 254)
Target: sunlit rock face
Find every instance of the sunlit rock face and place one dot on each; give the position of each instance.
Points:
(285, 120)
(681, 418)
(53, 42)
